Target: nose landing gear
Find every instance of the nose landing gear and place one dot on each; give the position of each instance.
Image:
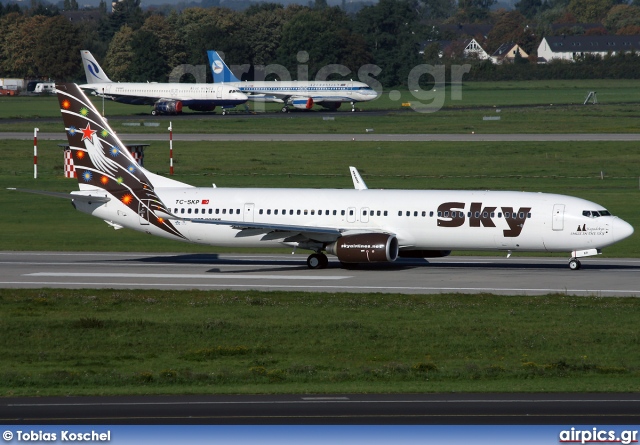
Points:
(574, 264)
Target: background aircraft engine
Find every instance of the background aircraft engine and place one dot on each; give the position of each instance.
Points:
(423, 253)
(365, 248)
(302, 103)
(167, 107)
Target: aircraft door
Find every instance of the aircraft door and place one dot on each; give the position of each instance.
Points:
(351, 214)
(248, 212)
(364, 214)
(350, 88)
(558, 217)
(219, 92)
(143, 212)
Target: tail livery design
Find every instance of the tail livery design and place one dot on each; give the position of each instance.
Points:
(103, 163)
(221, 72)
(92, 69)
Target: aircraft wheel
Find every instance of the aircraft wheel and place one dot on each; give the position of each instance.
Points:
(317, 261)
(285, 110)
(574, 264)
(224, 112)
(154, 112)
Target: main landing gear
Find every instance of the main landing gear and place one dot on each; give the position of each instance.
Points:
(317, 261)
(285, 109)
(574, 264)
(353, 107)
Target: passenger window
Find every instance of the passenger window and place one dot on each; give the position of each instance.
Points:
(385, 213)
(195, 211)
(342, 212)
(350, 212)
(313, 212)
(189, 211)
(528, 215)
(378, 213)
(210, 211)
(400, 213)
(268, 211)
(431, 213)
(298, 212)
(237, 211)
(218, 211)
(306, 212)
(319, 212)
(335, 212)
(424, 213)
(224, 211)
(439, 214)
(408, 213)
(260, 211)
(182, 210)
(521, 215)
(499, 214)
(507, 214)
(291, 212)
(415, 213)
(275, 212)
(364, 213)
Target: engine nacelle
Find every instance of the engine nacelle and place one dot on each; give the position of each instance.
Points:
(365, 248)
(202, 106)
(167, 107)
(302, 103)
(424, 253)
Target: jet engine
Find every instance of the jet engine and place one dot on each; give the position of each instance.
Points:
(423, 253)
(365, 248)
(167, 107)
(302, 103)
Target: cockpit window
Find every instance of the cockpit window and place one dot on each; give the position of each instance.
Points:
(595, 213)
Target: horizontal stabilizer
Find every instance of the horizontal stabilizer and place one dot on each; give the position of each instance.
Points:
(75, 197)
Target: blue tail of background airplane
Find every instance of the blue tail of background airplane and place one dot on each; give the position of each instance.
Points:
(221, 72)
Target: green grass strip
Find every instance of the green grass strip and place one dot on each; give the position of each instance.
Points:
(74, 342)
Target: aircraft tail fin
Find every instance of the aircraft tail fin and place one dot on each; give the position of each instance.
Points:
(221, 72)
(102, 161)
(93, 71)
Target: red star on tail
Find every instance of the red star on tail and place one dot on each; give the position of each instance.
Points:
(87, 133)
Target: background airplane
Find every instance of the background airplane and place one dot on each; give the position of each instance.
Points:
(164, 97)
(358, 225)
(300, 94)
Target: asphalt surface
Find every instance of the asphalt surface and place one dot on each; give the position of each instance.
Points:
(496, 275)
(318, 409)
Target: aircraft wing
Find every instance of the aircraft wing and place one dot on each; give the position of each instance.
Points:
(281, 231)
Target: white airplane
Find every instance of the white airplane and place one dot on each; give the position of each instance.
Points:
(300, 94)
(359, 225)
(166, 98)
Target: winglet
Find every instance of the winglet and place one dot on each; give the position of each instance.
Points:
(221, 72)
(93, 71)
(358, 183)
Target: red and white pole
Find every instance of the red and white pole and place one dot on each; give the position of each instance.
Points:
(35, 152)
(170, 149)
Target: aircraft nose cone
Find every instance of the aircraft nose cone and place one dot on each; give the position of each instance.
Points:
(621, 230)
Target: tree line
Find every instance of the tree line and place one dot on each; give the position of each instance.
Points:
(137, 45)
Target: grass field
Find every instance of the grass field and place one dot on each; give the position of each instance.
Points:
(567, 168)
(58, 342)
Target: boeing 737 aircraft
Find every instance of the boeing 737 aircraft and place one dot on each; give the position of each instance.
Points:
(165, 97)
(300, 94)
(357, 226)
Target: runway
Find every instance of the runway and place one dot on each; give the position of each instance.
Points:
(362, 137)
(456, 274)
(319, 409)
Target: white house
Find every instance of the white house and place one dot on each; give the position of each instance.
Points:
(572, 47)
(471, 48)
